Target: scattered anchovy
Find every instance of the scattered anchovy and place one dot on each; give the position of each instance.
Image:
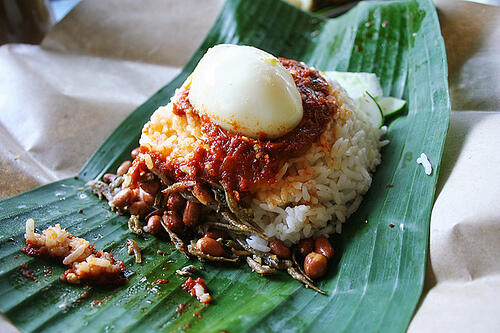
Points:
(193, 251)
(179, 244)
(244, 227)
(268, 259)
(189, 196)
(133, 248)
(425, 163)
(101, 189)
(235, 208)
(299, 267)
(241, 253)
(239, 229)
(261, 269)
(116, 183)
(186, 271)
(162, 177)
(201, 194)
(134, 225)
(245, 246)
(155, 212)
(301, 278)
(178, 187)
(285, 264)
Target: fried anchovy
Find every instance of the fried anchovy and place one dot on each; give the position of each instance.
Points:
(301, 278)
(116, 183)
(299, 267)
(178, 187)
(227, 217)
(261, 269)
(202, 194)
(202, 255)
(189, 196)
(241, 253)
(134, 225)
(235, 208)
(162, 177)
(101, 189)
(133, 248)
(155, 212)
(232, 244)
(160, 201)
(229, 227)
(284, 264)
(219, 196)
(268, 258)
(179, 244)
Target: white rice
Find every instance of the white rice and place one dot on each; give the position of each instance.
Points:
(320, 190)
(425, 163)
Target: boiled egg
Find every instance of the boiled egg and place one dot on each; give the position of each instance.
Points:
(246, 91)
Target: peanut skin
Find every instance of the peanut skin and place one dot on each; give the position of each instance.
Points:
(306, 246)
(176, 202)
(123, 168)
(191, 214)
(279, 249)
(210, 246)
(315, 265)
(322, 245)
(154, 224)
(173, 222)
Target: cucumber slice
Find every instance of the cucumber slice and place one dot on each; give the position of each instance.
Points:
(390, 105)
(368, 105)
(366, 92)
(356, 84)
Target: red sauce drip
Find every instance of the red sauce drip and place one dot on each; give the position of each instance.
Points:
(27, 272)
(242, 163)
(162, 281)
(181, 308)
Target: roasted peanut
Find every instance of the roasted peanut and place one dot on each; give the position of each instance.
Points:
(323, 246)
(135, 152)
(315, 265)
(154, 224)
(122, 198)
(216, 234)
(146, 197)
(108, 178)
(176, 202)
(173, 222)
(123, 168)
(151, 187)
(138, 208)
(306, 246)
(191, 214)
(279, 249)
(210, 246)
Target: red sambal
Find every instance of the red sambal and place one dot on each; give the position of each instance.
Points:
(241, 163)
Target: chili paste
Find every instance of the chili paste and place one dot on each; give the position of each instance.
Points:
(241, 163)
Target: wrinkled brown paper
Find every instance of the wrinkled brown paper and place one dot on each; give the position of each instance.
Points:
(60, 100)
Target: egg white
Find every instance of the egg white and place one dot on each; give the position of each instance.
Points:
(246, 91)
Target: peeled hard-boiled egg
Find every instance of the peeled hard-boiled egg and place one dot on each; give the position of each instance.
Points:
(246, 91)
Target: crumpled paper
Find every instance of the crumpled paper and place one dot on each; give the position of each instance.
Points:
(60, 100)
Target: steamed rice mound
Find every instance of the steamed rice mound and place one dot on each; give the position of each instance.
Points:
(315, 193)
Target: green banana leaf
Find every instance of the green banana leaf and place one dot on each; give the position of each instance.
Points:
(377, 281)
